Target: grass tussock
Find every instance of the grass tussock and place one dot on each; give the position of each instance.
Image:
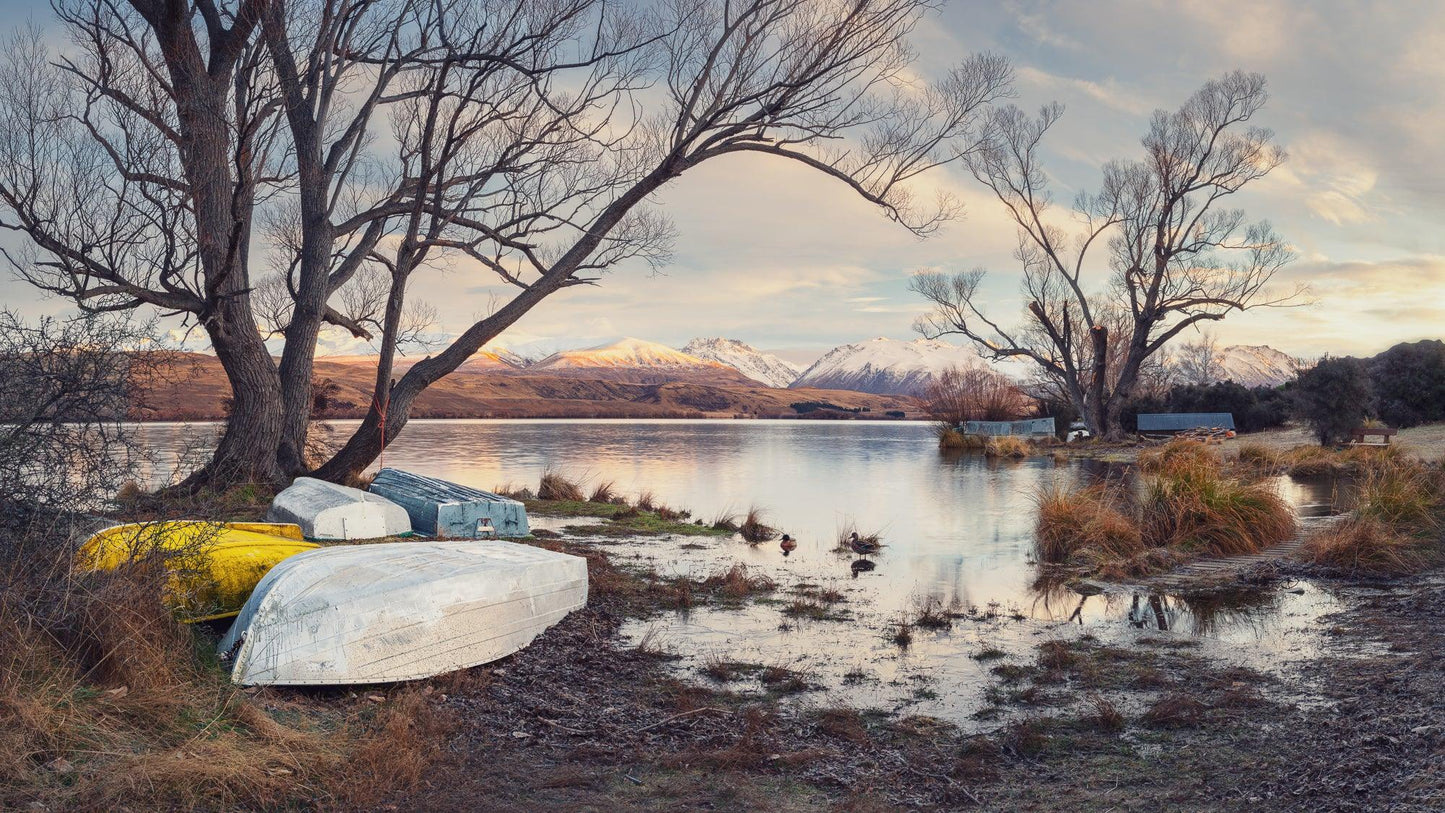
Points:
(1008, 447)
(1194, 507)
(556, 487)
(1396, 528)
(1176, 710)
(605, 491)
(930, 613)
(902, 634)
(1091, 524)
(725, 520)
(1103, 715)
(739, 582)
(952, 438)
(754, 529)
(1176, 455)
(1190, 506)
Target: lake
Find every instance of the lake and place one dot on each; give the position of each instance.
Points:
(957, 528)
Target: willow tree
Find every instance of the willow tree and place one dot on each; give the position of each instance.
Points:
(544, 184)
(216, 159)
(1154, 254)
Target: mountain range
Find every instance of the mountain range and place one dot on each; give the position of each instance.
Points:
(880, 366)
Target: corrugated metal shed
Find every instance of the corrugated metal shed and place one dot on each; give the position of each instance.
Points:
(1182, 421)
(440, 508)
(1028, 428)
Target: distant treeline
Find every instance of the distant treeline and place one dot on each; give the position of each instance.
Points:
(1402, 387)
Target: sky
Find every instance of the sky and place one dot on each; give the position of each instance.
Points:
(778, 256)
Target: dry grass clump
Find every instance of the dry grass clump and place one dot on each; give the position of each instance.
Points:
(1395, 529)
(783, 680)
(739, 582)
(555, 486)
(1103, 715)
(605, 491)
(1175, 710)
(104, 704)
(1087, 525)
(952, 438)
(902, 634)
(844, 724)
(754, 530)
(1189, 507)
(1008, 446)
(725, 520)
(1259, 456)
(931, 614)
(1194, 507)
(1176, 455)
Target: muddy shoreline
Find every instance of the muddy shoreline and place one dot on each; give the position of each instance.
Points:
(587, 719)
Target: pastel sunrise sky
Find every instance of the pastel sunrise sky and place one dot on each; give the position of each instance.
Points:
(775, 255)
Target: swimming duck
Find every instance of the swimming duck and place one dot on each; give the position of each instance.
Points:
(862, 547)
(788, 544)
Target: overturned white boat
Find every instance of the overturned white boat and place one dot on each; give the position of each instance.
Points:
(330, 511)
(398, 611)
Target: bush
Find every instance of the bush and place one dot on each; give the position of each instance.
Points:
(1333, 398)
(1409, 383)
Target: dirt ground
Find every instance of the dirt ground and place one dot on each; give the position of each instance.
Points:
(579, 721)
(1427, 442)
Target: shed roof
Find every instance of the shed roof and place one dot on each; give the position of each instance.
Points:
(1181, 421)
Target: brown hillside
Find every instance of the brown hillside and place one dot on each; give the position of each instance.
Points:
(193, 387)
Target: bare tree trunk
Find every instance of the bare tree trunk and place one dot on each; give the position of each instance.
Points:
(247, 451)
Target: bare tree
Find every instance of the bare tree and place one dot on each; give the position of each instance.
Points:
(526, 137)
(132, 163)
(543, 182)
(1198, 362)
(960, 395)
(1174, 256)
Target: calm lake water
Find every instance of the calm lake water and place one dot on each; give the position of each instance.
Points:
(958, 529)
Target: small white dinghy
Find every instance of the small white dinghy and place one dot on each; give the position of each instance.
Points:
(330, 511)
(398, 611)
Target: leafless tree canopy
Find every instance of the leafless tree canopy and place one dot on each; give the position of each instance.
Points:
(66, 390)
(959, 395)
(350, 146)
(1173, 255)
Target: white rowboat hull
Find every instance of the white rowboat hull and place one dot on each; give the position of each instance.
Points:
(399, 611)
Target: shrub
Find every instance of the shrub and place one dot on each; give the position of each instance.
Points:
(1333, 397)
(1409, 383)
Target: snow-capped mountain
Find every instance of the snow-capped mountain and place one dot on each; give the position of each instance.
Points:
(1256, 366)
(764, 368)
(886, 366)
(638, 362)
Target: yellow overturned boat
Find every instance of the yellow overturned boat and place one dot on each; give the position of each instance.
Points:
(213, 566)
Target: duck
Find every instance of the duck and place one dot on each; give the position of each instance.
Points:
(862, 547)
(788, 544)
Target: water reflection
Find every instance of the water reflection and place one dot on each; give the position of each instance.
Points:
(957, 531)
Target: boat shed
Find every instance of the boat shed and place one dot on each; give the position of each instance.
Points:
(440, 508)
(1170, 422)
